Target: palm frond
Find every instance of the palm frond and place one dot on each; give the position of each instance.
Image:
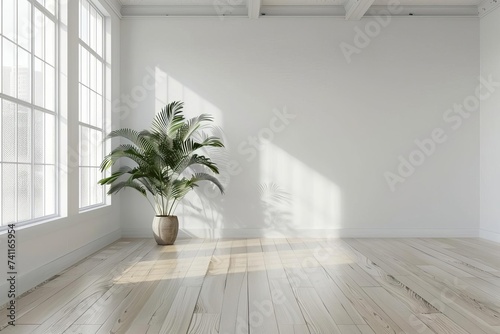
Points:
(161, 157)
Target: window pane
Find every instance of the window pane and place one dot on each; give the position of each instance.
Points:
(39, 34)
(24, 24)
(50, 139)
(84, 21)
(39, 137)
(39, 77)
(84, 104)
(9, 19)
(84, 66)
(93, 30)
(92, 108)
(50, 87)
(50, 43)
(23, 192)
(9, 131)
(93, 76)
(9, 75)
(99, 114)
(99, 33)
(23, 134)
(84, 187)
(51, 6)
(85, 147)
(50, 190)
(100, 71)
(24, 75)
(39, 189)
(9, 193)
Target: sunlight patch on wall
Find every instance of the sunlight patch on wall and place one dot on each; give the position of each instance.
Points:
(300, 198)
(169, 89)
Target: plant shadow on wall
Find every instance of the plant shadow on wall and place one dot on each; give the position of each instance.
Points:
(166, 164)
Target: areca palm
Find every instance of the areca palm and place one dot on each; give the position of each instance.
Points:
(165, 159)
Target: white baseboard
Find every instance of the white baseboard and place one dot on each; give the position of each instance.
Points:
(489, 235)
(36, 276)
(311, 233)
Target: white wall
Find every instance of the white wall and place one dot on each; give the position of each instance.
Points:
(490, 129)
(352, 122)
(46, 249)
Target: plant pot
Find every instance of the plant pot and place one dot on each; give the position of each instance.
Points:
(165, 229)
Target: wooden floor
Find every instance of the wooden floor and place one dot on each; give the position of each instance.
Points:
(348, 286)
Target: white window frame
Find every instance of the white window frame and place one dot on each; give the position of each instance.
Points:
(54, 17)
(104, 126)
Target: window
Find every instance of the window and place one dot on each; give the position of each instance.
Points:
(92, 104)
(28, 120)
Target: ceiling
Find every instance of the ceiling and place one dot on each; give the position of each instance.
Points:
(350, 9)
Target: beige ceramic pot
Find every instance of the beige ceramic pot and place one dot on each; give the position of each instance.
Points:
(165, 229)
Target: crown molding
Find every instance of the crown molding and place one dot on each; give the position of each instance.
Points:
(116, 6)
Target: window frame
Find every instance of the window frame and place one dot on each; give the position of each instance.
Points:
(33, 107)
(103, 59)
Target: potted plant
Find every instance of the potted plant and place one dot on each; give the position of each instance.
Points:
(166, 164)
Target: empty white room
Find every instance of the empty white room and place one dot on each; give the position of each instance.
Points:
(250, 166)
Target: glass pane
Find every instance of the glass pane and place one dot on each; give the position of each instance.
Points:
(84, 21)
(9, 193)
(39, 34)
(24, 75)
(39, 137)
(39, 188)
(93, 30)
(93, 186)
(50, 190)
(93, 77)
(98, 109)
(95, 147)
(84, 66)
(85, 147)
(100, 189)
(9, 19)
(9, 75)
(8, 132)
(50, 44)
(39, 77)
(92, 108)
(84, 104)
(23, 192)
(23, 134)
(24, 24)
(50, 139)
(84, 187)
(51, 6)
(99, 33)
(99, 79)
(50, 87)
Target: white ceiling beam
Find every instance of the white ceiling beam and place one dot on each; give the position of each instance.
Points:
(254, 8)
(487, 6)
(356, 9)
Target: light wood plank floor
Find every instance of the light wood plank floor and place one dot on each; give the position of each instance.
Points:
(268, 286)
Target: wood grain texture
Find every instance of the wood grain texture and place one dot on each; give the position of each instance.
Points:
(272, 286)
